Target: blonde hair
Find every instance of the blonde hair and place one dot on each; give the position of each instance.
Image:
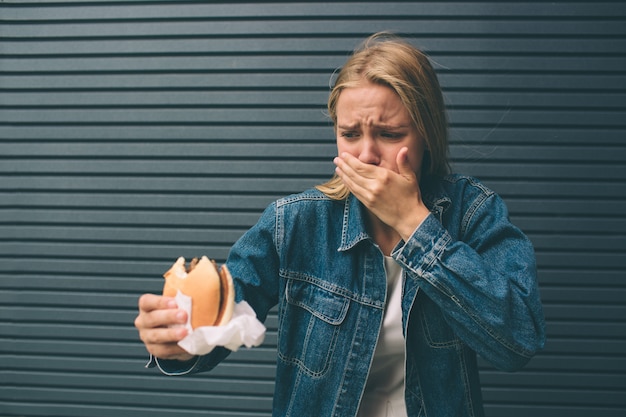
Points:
(388, 60)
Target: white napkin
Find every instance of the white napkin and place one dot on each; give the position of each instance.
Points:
(243, 329)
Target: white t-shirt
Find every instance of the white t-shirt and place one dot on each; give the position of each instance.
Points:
(384, 391)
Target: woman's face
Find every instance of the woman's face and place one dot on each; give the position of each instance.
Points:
(373, 125)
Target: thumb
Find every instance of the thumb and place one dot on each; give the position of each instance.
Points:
(402, 161)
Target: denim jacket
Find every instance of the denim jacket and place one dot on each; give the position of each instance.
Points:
(469, 288)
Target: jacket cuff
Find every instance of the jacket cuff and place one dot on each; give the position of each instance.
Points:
(424, 246)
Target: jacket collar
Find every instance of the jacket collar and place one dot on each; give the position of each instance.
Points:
(353, 230)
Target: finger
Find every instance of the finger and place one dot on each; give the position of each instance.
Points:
(357, 167)
(349, 176)
(169, 352)
(160, 318)
(163, 336)
(404, 166)
(151, 302)
(163, 343)
(341, 166)
(407, 171)
(354, 173)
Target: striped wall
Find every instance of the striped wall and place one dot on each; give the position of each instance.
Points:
(132, 132)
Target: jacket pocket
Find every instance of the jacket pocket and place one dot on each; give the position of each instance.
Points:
(309, 326)
(437, 332)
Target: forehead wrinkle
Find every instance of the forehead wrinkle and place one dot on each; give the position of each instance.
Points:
(382, 126)
(383, 120)
(371, 106)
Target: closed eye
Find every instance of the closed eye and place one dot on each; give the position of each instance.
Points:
(392, 135)
(349, 134)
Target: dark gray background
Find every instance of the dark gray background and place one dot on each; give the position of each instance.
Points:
(135, 132)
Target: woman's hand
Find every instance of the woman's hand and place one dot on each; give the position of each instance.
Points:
(160, 327)
(393, 197)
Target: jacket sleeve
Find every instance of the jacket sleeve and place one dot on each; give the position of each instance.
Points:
(484, 282)
(253, 263)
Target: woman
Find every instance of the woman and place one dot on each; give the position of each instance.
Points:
(389, 278)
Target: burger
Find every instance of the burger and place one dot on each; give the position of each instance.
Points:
(210, 288)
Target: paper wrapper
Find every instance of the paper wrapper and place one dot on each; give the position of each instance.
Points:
(244, 329)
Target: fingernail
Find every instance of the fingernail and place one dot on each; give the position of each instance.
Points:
(180, 316)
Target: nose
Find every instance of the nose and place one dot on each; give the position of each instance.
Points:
(369, 153)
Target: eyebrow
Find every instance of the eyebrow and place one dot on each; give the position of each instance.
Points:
(379, 126)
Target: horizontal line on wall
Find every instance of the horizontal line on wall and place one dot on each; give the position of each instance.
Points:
(271, 53)
(271, 105)
(26, 258)
(602, 12)
(326, 71)
(222, 9)
(530, 125)
(328, 34)
(243, 106)
(135, 382)
(164, 89)
(234, 209)
(129, 89)
(141, 384)
(121, 367)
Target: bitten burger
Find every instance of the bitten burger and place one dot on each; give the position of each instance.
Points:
(211, 290)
